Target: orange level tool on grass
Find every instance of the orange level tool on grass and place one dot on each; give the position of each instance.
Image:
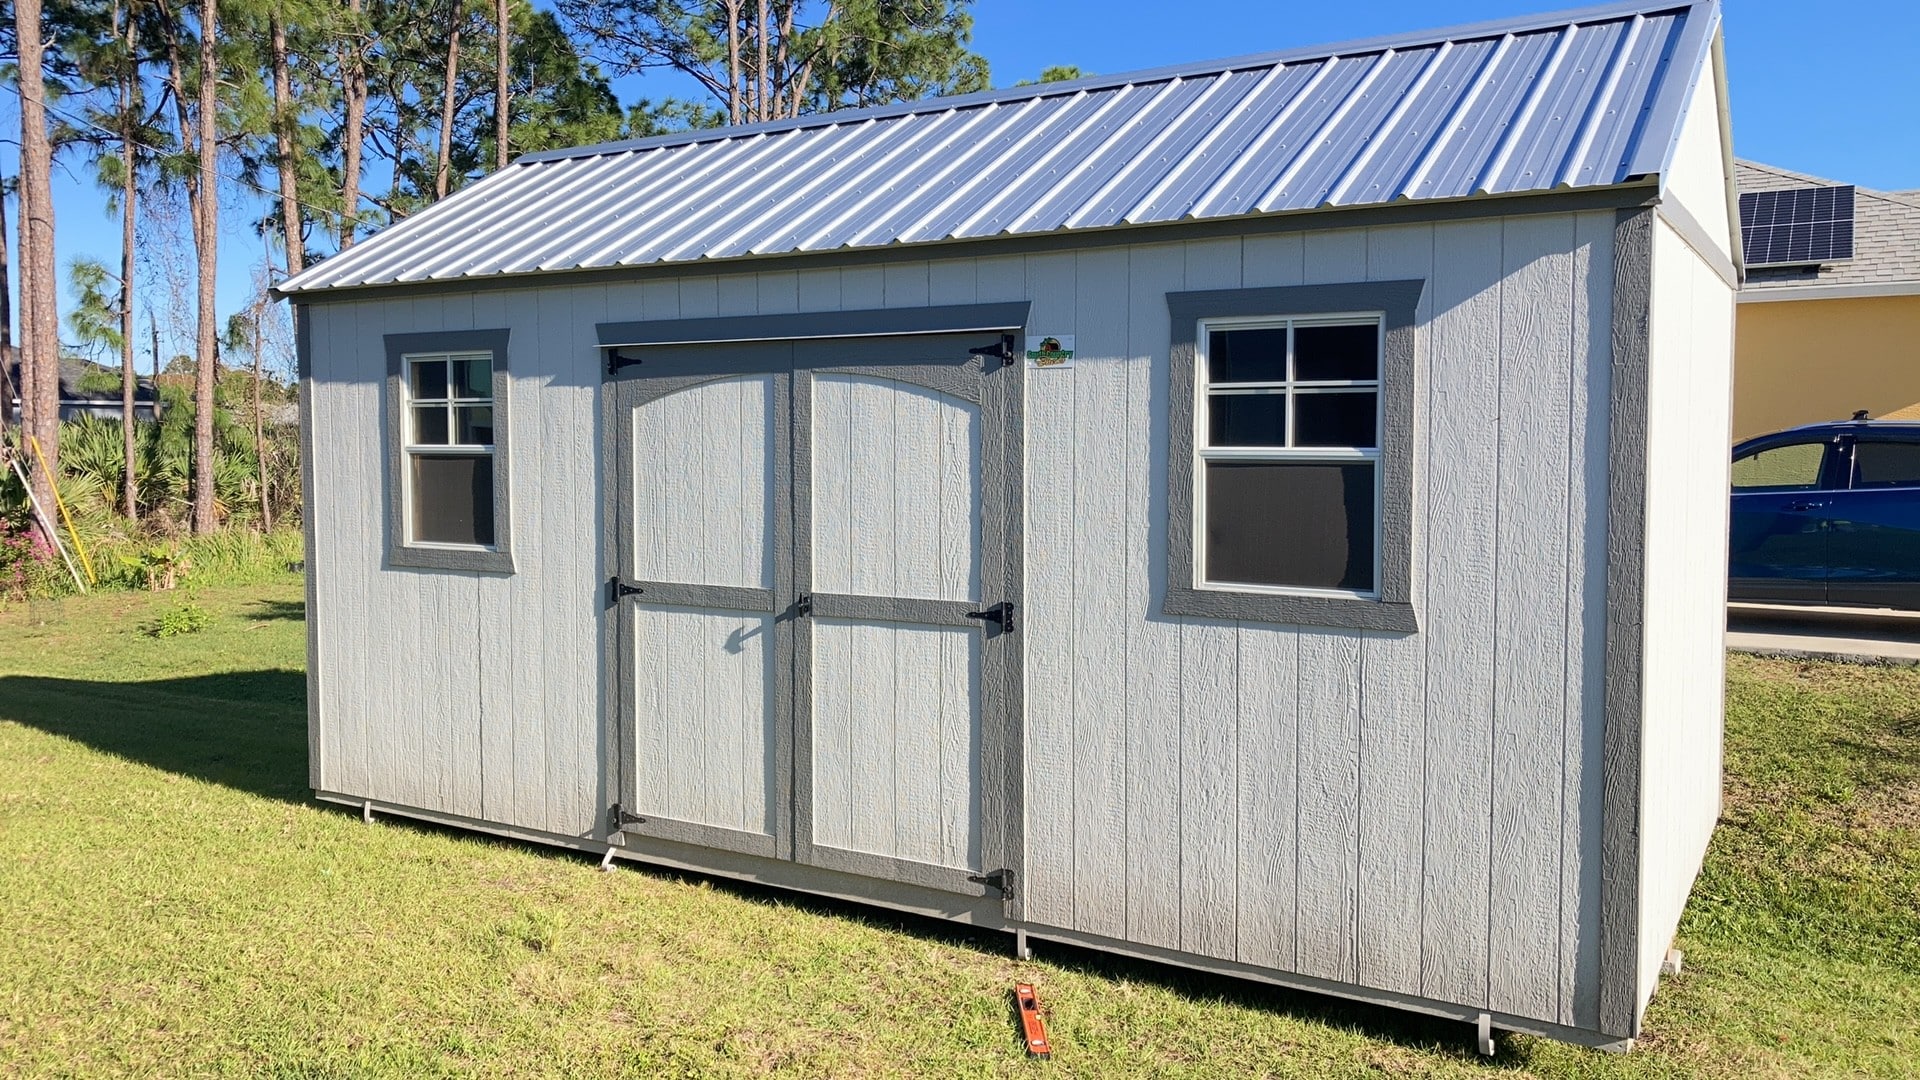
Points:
(1032, 1028)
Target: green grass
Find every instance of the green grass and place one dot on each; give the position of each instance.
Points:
(175, 904)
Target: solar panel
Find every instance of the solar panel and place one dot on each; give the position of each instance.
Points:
(1798, 226)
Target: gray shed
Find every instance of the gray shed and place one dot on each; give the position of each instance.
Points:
(1267, 516)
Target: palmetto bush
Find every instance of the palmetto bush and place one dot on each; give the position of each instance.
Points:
(153, 551)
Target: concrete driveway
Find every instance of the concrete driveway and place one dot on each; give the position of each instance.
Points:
(1877, 636)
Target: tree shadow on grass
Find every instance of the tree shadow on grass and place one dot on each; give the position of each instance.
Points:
(245, 730)
(274, 610)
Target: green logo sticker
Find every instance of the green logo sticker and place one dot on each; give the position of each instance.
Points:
(1050, 351)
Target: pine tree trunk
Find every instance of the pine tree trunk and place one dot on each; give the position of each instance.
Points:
(7, 389)
(285, 163)
(40, 327)
(206, 243)
(733, 61)
(129, 481)
(761, 111)
(503, 28)
(354, 138)
(442, 164)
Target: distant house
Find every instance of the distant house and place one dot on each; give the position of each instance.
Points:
(1830, 314)
(75, 401)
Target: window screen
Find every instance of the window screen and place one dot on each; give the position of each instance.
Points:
(1886, 464)
(450, 448)
(1793, 467)
(1289, 454)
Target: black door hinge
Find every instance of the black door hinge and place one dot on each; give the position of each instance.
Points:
(1000, 614)
(617, 360)
(998, 879)
(618, 590)
(618, 818)
(1006, 349)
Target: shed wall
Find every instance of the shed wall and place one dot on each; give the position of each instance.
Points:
(1416, 813)
(1690, 354)
(1698, 177)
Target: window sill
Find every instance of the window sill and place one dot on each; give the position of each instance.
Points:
(1296, 609)
(471, 559)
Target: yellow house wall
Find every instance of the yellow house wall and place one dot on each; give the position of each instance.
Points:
(1802, 361)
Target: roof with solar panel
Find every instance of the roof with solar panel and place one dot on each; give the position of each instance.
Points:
(1579, 100)
(1800, 230)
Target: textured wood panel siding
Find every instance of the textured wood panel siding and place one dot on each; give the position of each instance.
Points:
(1415, 812)
(468, 694)
(1689, 371)
(1329, 802)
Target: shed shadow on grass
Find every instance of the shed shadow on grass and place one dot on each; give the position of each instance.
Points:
(245, 730)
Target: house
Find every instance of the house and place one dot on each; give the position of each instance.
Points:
(1267, 516)
(1824, 333)
(78, 394)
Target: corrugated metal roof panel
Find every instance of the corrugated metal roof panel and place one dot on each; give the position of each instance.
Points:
(1582, 99)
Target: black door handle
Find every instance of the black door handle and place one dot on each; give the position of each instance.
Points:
(1000, 614)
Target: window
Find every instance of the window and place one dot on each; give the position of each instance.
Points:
(1292, 418)
(1878, 464)
(1792, 467)
(448, 506)
(1290, 455)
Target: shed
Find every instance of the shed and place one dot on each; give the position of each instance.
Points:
(1267, 516)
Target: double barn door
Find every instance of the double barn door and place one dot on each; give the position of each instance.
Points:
(815, 605)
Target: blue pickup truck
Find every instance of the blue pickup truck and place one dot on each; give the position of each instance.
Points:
(1828, 514)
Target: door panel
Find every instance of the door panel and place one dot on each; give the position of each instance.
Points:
(1874, 540)
(903, 719)
(701, 732)
(704, 700)
(703, 469)
(896, 740)
(895, 490)
(1779, 544)
(1777, 531)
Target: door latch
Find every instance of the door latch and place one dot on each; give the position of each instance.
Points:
(998, 879)
(1000, 614)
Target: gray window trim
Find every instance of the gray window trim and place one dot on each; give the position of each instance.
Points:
(1392, 608)
(499, 558)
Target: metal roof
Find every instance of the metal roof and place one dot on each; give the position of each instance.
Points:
(1589, 98)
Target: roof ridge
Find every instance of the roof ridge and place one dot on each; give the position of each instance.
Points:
(1433, 36)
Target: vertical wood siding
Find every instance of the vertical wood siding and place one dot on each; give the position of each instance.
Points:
(1410, 812)
(1689, 355)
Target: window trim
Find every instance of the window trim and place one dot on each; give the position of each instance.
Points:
(401, 550)
(1390, 606)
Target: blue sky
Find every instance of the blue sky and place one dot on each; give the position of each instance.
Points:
(1831, 89)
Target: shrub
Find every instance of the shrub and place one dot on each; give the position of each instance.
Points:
(184, 619)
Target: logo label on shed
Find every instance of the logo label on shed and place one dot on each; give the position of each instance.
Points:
(1050, 351)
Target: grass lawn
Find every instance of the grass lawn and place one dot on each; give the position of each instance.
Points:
(173, 903)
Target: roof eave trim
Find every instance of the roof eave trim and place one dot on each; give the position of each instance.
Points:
(1632, 192)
